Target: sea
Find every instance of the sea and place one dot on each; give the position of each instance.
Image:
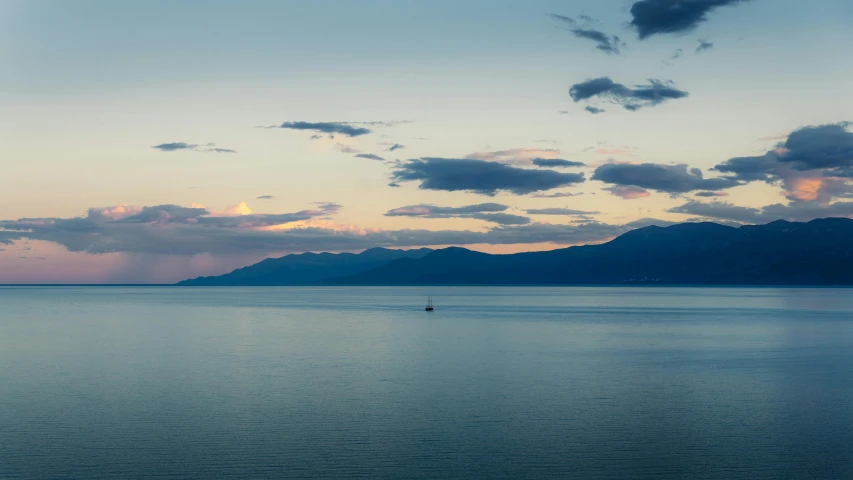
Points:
(496, 383)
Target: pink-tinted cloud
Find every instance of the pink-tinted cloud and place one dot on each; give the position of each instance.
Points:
(515, 156)
(628, 192)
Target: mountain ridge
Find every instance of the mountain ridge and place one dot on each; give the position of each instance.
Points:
(819, 252)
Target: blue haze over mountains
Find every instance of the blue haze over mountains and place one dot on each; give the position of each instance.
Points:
(819, 252)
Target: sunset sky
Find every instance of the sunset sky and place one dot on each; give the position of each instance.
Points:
(152, 141)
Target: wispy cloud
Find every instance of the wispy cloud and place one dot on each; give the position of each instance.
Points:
(609, 44)
(640, 96)
(192, 147)
(369, 156)
(556, 195)
(490, 212)
(339, 128)
(704, 45)
(560, 211)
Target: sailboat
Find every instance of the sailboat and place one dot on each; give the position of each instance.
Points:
(429, 305)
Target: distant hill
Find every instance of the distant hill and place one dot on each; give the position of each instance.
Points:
(819, 252)
(307, 268)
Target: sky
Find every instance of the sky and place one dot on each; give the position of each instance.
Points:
(152, 141)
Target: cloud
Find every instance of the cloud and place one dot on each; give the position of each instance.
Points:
(342, 128)
(704, 45)
(426, 210)
(711, 194)
(675, 56)
(391, 123)
(516, 156)
(346, 148)
(178, 146)
(563, 18)
(609, 44)
(556, 195)
(479, 176)
(276, 233)
(641, 96)
(266, 197)
(654, 17)
(662, 178)
(628, 192)
(594, 110)
(811, 164)
(795, 211)
(719, 211)
(369, 156)
(556, 163)
(396, 146)
(490, 212)
(559, 211)
(238, 209)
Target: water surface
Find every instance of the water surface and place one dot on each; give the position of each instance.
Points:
(515, 383)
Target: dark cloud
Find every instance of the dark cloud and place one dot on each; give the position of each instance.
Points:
(823, 146)
(178, 146)
(655, 93)
(750, 169)
(559, 211)
(396, 146)
(812, 163)
(711, 194)
(662, 178)
(369, 156)
(480, 176)
(266, 197)
(342, 128)
(556, 163)
(704, 45)
(652, 17)
(171, 147)
(594, 110)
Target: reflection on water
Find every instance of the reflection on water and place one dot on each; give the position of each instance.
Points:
(665, 383)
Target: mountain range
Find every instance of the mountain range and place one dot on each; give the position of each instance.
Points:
(819, 252)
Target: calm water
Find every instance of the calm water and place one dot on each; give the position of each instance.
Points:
(515, 383)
